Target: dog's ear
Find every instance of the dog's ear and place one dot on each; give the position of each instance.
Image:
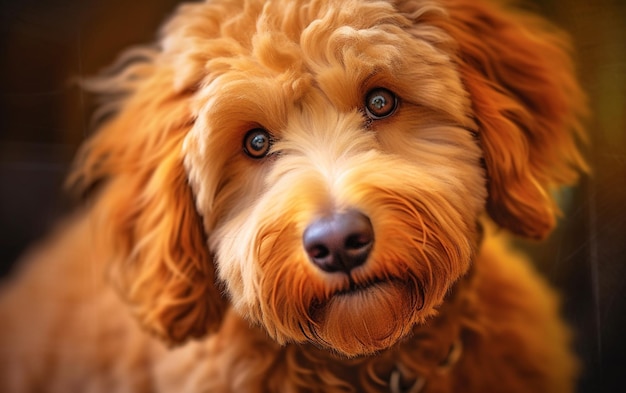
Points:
(144, 208)
(528, 106)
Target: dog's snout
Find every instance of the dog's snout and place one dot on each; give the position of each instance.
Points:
(339, 242)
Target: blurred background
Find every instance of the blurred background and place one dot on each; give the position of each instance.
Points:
(44, 117)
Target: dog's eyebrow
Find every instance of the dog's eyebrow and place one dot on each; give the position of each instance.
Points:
(372, 74)
(377, 73)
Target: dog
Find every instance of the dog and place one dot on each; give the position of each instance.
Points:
(311, 196)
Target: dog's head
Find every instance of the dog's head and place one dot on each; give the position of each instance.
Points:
(322, 167)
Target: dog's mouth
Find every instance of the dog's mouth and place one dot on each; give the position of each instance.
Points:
(354, 287)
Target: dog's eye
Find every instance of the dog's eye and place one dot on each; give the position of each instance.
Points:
(257, 143)
(380, 103)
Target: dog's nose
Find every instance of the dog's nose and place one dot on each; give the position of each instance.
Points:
(339, 242)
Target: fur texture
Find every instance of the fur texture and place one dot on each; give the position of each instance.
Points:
(191, 233)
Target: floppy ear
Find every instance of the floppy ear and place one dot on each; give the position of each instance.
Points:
(528, 106)
(145, 212)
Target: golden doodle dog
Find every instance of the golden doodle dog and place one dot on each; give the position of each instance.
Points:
(311, 196)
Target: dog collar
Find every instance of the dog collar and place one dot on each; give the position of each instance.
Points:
(400, 373)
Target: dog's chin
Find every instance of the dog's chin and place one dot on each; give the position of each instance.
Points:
(366, 320)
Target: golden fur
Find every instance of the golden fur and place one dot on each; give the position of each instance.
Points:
(185, 233)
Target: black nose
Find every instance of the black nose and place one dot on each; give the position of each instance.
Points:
(339, 242)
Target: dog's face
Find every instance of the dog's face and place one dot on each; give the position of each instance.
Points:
(335, 164)
(340, 155)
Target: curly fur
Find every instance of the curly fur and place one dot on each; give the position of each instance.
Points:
(193, 239)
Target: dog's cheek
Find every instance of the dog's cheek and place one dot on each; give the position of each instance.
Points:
(236, 265)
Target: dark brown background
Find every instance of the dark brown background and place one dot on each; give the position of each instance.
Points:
(43, 118)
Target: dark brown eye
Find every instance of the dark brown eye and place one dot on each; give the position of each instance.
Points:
(380, 103)
(257, 143)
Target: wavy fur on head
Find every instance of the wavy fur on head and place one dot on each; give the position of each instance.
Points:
(156, 247)
(529, 106)
(199, 238)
